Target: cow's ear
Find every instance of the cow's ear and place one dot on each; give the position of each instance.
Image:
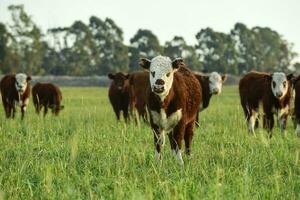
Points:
(269, 77)
(224, 77)
(28, 78)
(145, 63)
(178, 62)
(290, 76)
(111, 76)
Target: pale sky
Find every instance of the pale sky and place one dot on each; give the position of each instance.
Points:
(167, 18)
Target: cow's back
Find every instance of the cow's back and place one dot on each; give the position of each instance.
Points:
(46, 93)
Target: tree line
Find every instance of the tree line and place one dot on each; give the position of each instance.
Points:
(97, 48)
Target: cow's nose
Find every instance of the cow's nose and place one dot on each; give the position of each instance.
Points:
(279, 94)
(159, 82)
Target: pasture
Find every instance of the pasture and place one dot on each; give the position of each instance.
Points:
(85, 154)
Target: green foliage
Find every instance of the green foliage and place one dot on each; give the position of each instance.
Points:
(85, 154)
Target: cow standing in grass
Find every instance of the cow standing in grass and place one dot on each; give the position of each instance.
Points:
(174, 95)
(139, 82)
(15, 90)
(211, 84)
(119, 94)
(273, 90)
(47, 95)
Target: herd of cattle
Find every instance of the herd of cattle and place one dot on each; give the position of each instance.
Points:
(173, 96)
(15, 90)
(170, 96)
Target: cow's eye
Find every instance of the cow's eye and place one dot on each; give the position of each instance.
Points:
(153, 74)
(284, 84)
(168, 74)
(273, 84)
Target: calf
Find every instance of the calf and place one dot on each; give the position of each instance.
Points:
(119, 94)
(15, 89)
(211, 85)
(139, 82)
(47, 95)
(273, 90)
(173, 98)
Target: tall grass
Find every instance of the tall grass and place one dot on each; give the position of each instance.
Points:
(85, 154)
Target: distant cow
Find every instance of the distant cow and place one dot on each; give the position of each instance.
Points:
(273, 90)
(211, 84)
(15, 90)
(139, 82)
(119, 94)
(174, 95)
(47, 95)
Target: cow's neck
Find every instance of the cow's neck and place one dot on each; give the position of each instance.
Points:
(163, 103)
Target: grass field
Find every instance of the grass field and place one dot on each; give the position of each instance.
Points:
(85, 154)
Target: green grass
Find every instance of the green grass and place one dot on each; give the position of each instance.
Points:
(85, 154)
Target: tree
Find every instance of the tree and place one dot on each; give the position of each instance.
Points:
(143, 44)
(177, 47)
(27, 43)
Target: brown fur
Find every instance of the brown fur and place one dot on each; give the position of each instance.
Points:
(139, 82)
(119, 94)
(47, 95)
(297, 101)
(184, 94)
(255, 87)
(11, 97)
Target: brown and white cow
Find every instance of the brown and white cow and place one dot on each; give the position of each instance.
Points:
(47, 95)
(211, 84)
(273, 90)
(15, 90)
(119, 94)
(139, 82)
(174, 95)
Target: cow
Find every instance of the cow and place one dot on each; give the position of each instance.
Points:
(173, 98)
(47, 95)
(119, 94)
(273, 90)
(297, 105)
(15, 90)
(211, 84)
(138, 82)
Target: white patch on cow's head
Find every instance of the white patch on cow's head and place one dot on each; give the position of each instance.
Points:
(161, 75)
(21, 82)
(215, 83)
(279, 84)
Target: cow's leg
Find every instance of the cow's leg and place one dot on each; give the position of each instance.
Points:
(269, 122)
(159, 140)
(197, 118)
(188, 137)
(251, 121)
(117, 112)
(126, 114)
(23, 108)
(178, 134)
(45, 110)
(257, 121)
(6, 107)
(13, 110)
(282, 122)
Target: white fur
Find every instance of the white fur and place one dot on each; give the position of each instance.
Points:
(21, 82)
(166, 123)
(162, 66)
(251, 123)
(161, 138)
(279, 78)
(179, 157)
(215, 83)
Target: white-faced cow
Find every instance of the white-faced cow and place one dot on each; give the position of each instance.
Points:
(211, 84)
(119, 94)
(273, 90)
(174, 95)
(15, 90)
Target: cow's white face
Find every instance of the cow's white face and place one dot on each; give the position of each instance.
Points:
(162, 71)
(21, 82)
(279, 84)
(215, 82)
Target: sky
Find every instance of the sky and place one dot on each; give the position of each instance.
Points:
(167, 18)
